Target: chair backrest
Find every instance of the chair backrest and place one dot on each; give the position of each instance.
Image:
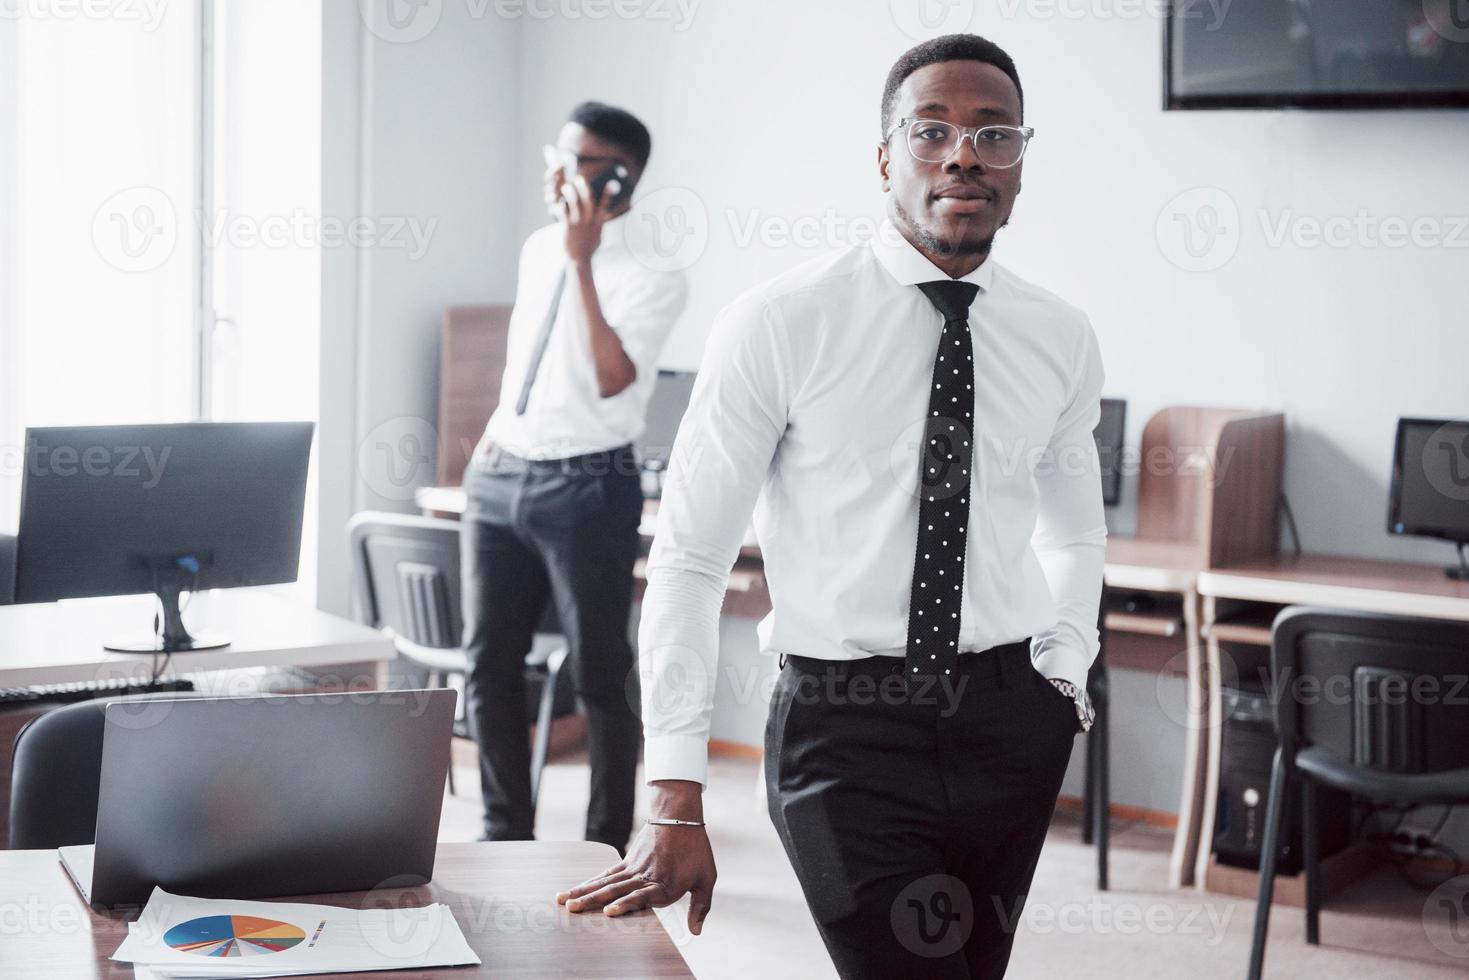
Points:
(7, 569)
(405, 574)
(55, 772)
(1376, 691)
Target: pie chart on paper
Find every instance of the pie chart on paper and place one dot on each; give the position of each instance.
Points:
(233, 935)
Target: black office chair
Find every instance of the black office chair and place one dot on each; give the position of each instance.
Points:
(405, 572)
(55, 771)
(1096, 796)
(1380, 741)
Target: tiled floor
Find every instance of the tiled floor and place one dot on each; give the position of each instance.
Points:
(1140, 929)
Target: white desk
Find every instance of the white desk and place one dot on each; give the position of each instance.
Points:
(61, 642)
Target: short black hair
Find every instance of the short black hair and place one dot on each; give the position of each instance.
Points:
(950, 47)
(615, 126)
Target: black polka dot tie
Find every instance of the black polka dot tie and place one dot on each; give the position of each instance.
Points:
(946, 458)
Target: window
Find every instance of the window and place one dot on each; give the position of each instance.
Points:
(157, 257)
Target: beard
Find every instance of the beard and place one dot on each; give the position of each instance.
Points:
(935, 245)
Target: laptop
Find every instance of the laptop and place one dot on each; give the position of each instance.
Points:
(267, 796)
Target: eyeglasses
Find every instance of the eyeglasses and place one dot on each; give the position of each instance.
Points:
(932, 140)
(569, 162)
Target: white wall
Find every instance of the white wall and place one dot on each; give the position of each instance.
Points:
(420, 121)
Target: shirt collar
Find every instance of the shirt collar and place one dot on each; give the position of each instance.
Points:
(909, 267)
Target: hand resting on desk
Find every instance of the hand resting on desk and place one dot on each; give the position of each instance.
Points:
(663, 864)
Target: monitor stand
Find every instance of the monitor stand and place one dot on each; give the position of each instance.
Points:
(173, 636)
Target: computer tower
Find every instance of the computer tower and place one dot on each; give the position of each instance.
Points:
(1247, 749)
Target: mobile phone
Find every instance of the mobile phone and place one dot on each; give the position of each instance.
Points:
(615, 176)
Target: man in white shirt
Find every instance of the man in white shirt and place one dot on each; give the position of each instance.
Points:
(554, 498)
(916, 423)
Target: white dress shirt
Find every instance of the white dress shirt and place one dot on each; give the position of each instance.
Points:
(808, 408)
(566, 414)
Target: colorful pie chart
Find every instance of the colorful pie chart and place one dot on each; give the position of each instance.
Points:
(233, 935)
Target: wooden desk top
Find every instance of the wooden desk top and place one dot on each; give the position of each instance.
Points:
(1154, 565)
(1358, 583)
(61, 642)
(501, 895)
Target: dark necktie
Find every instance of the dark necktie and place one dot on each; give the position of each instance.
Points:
(541, 342)
(943, 486)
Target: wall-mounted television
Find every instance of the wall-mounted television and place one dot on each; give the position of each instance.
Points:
(1316, 54)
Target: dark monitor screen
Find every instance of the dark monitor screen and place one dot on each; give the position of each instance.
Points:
(1108, 434)
(665, 411)
(1334, 54)
(1430, 479)
(104, 508)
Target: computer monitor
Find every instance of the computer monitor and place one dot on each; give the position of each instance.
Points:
(120, 510)
(665, 411)
(1429, 496)
(1108, 434)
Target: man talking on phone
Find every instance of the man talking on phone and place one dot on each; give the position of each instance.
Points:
(553, 495)
(916, 422)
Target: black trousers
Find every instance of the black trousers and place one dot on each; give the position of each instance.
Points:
(913, 815)
(567, 529)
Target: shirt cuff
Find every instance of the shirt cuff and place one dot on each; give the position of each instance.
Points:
(676, 757)
(1061, 662)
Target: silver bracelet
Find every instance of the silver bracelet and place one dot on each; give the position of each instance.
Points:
(671, 822)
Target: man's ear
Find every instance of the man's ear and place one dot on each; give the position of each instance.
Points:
(883, 162)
